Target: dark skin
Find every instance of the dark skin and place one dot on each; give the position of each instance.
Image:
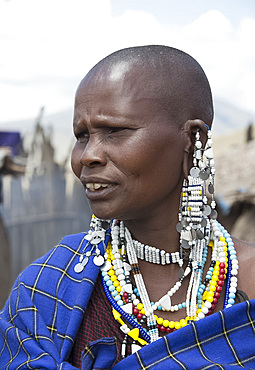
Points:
(128, 143)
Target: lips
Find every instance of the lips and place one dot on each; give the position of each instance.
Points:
(98, 188)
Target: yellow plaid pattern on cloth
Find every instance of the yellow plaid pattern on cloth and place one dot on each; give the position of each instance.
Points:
(224, 340)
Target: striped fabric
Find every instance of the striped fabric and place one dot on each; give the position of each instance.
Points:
(40, 320)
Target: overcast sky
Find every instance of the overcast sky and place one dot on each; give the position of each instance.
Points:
(47, 46)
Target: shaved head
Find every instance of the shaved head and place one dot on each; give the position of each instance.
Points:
(168, 75)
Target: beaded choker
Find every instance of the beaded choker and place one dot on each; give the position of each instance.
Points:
(155, 255)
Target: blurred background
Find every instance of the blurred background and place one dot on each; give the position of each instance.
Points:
(47, 46)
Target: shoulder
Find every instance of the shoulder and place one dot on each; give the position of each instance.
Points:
(246, 258)
(67, 247)
(57, 261)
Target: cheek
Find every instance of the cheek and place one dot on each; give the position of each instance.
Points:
(75, 162)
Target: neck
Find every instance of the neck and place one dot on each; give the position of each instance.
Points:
(159, 232)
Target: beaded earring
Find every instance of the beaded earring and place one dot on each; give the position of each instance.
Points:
(194, 210)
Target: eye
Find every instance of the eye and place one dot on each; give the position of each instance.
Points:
(114, 130)
(82, 137)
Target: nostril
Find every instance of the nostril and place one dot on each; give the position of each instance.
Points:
(91, 162)
(93, 154)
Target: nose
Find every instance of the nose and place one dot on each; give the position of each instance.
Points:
(93, 153)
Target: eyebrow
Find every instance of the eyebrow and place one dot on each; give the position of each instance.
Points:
(105, 120)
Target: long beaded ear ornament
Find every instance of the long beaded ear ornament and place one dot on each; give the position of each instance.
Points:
(194, 207)
(95, 235)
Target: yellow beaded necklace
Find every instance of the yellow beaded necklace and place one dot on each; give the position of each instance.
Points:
(208, 295)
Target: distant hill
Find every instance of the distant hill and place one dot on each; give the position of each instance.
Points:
(228, 118)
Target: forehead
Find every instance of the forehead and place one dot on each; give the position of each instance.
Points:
(122, 88)
(121, 79)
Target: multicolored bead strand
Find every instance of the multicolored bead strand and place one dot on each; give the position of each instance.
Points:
(126, 316)
(128, 304)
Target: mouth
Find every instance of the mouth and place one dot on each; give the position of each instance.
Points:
(98, 189)
(94, 186)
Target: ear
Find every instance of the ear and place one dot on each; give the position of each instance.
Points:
(190, 129)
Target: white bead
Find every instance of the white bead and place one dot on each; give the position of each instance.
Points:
(205, 310)
(136, 301)
(119, 271)
(119, 264)
(232, 289)
(234, 272)
(187, 271)
(124, 328)
(234, 278)
(126, 266)
(128, 288)
(208, 304)
(201, 315)
(198, 144)
(128, 308)
(135, 347)
(165, 302)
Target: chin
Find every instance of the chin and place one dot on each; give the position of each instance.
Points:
(103, 214)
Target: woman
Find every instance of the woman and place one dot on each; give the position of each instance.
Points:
(144, 155)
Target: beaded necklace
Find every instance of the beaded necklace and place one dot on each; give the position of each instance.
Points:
(155, 255)
(131, 304)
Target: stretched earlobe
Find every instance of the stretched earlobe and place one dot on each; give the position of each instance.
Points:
(186, 161)
(190, 129)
